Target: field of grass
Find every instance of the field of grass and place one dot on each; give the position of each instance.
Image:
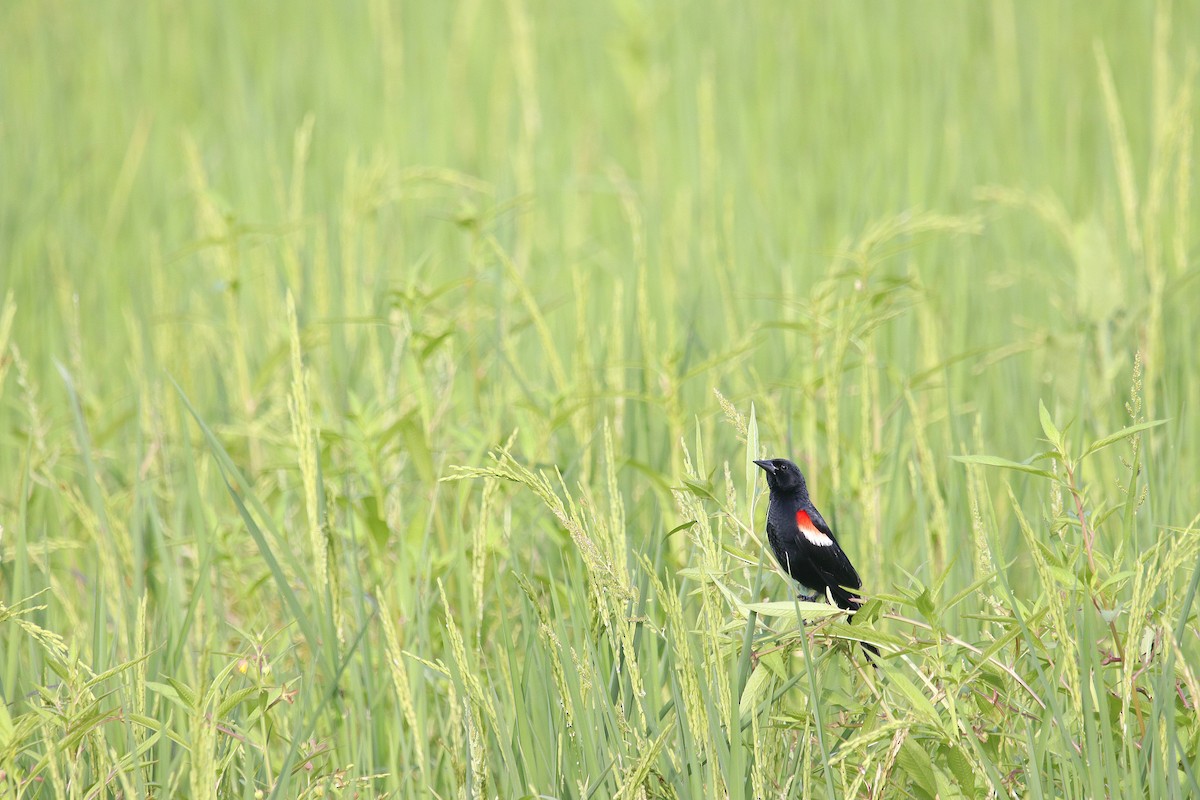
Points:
(379, 384)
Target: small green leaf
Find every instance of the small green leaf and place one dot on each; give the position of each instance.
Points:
(969, 591)
(924, 604)
(185, 693)
(101, 678)
(168, 693)
(756, 688)
(1124, 433)
(751, 446)
(1004, 463)
(703, 491)
(680, 528)
(1149, 636)
(237, 698)
(1048, 426)
(775, 663)
(6, 726)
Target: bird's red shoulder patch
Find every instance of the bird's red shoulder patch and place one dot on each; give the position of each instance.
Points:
(809, 531)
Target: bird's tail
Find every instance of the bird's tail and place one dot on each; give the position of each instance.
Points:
(851, 602)
(871, 651)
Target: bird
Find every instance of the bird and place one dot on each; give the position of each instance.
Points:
(803, 542)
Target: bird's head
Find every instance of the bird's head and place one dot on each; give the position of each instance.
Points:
(783, 475)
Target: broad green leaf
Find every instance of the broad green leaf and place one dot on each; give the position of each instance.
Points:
(858, 632)
(372, 516)
(788, 608)
(636, 777)
(679, 528)
(417, 446)
(1004, 463)
(960, 767)
(917, 698)
(916, 762)
(1124, 433)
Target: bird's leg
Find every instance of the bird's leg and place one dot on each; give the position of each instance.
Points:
(808, 598)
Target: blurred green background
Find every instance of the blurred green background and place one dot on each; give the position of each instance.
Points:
(890, 229)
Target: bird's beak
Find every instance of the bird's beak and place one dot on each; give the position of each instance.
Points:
(767, 465)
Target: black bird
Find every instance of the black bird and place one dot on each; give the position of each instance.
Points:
(802, 541)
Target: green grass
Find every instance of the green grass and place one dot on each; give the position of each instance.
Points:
(379, 385)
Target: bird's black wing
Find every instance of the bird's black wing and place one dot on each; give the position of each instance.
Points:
(839, 573)
(820, 522)
(830, 560)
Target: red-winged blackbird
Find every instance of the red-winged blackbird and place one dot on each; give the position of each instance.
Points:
(802, 541)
